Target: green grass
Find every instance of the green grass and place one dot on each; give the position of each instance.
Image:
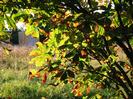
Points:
(16, 85)
(14, 82)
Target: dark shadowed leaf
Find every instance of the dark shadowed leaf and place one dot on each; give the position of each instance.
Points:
(53, 69)
(70, 54)
(81, 65)
(62, 47)
(122, 63)
(57, 62)
(59, 74)
(65, 81)
(66, 46)
(70, 73)
(64, 76)
(76, 58)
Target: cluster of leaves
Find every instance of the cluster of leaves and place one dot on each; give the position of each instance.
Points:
(75, 33)
(3, 34)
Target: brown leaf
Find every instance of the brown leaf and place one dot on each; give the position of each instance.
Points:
(88, 90)
(44, 78)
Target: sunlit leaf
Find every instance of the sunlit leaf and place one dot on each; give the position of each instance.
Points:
(101, 30)
(10, 22)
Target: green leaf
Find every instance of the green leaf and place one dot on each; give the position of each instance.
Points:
(113, 58)
(2, 23)
(1, 27)
(31, 30)
(77, 15)
(39, 61)
(116, 1)
(35, 34)
(101, 30)
(39, 45)
(4, 35)
(45, 13)
(10, 22)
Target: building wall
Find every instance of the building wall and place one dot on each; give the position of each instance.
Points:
(19, 37)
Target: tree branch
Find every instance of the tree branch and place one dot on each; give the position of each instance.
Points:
(76, 7)
(128, 53)
(125, 76)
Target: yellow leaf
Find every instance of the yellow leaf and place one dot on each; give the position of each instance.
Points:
(6, 51)
(33, 53)
(108, 38)
(33, 71)
(39, 44)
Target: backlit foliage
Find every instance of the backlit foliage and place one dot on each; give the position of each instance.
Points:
(76, 33)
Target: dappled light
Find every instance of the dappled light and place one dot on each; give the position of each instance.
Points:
(66, 49)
